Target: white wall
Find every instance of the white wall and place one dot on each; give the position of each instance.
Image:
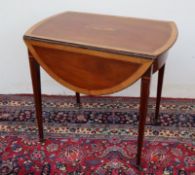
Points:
(16, 16)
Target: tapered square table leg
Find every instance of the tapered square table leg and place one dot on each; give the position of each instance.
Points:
(145, 91)
(159, 92)
(36, 82)
(78, 100)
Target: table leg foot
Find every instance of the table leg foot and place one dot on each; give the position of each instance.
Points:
(156, 122)
(138, 166)
(41, 140)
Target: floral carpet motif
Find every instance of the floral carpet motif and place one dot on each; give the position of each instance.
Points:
(97, 138)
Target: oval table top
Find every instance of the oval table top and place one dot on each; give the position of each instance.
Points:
(123, 35)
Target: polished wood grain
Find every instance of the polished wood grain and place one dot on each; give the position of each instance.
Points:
(100, 54)
(91, 73)
(131, 36)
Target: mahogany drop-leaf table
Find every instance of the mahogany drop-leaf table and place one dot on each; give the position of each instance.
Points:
(99, 54)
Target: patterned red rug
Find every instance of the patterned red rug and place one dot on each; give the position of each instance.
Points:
(98, 138)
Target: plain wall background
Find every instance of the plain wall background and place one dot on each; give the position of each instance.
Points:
(16, 16)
